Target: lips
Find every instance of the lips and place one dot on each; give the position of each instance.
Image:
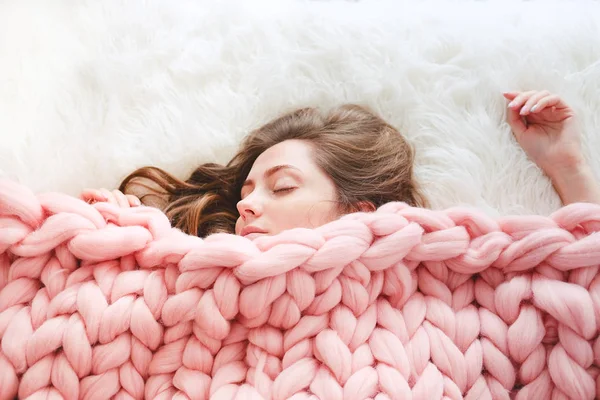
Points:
(251, 232)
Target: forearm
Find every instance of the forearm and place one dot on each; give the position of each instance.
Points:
(577, 185)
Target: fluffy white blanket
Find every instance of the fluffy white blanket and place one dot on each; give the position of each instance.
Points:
(90, 90)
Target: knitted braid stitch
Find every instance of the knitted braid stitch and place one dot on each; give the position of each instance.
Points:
(98, 302)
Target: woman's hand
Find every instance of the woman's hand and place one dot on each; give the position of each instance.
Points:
(114, 197)
(546, 128)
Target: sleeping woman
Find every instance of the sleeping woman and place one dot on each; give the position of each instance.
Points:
(305, 169)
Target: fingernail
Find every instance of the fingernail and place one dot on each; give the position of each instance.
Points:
(533, 108)
(523, 111)
(511, 104)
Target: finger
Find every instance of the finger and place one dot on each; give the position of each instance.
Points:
(122, 201)
(551, 100)
(510, 95)
(92, 195)
(110, 198)
(518, 102)
(133, 201)
(532, 101)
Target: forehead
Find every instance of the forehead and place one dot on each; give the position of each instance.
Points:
(296, 153)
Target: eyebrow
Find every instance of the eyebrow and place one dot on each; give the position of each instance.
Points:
(272, 171)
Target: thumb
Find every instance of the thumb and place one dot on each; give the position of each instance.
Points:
(515, 120)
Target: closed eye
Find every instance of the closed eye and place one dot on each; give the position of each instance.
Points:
(284, 190)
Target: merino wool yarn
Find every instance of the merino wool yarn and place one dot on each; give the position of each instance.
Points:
(98, 302)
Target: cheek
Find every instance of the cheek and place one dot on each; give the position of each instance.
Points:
(323, 213)
(306, 215)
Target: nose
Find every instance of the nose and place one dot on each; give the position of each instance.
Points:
(249, 207)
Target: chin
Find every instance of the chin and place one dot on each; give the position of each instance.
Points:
(255, 235)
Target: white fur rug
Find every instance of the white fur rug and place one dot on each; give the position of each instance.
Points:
(90, 90)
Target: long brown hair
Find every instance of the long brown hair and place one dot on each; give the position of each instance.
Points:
(367, 159)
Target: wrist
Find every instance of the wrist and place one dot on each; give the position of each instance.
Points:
(576, 184)
(575, 167)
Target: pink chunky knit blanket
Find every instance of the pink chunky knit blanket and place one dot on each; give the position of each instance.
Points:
(98, 302)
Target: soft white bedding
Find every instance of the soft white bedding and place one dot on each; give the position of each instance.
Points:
(90, 90)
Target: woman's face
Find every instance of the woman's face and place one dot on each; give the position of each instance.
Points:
(285, 189)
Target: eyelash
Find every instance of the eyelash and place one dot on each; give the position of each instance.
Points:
(279, 191)
(283, 190)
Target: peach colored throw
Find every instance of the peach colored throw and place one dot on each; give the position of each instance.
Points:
(98, 302)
